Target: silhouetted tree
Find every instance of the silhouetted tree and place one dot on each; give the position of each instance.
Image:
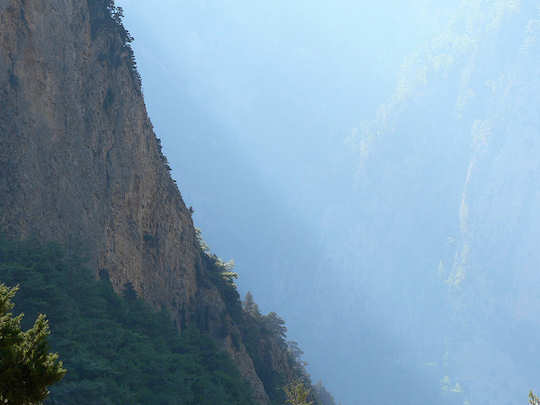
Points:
(275, 325)
(323, 396)
(250, 306)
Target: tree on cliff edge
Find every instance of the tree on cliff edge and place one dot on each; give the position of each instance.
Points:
(26, 366)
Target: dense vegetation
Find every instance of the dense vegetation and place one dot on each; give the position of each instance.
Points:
(278, 362)
(266, 335)
(27, 368)
(116, 349)
(297, 394)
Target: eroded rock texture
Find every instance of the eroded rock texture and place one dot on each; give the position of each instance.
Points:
(79, 162)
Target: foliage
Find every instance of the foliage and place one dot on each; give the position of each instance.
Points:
(222, 275)
(117, 350)
(26, 366)
(260, 341)
(224, 269)
(265, 339)
(275, 325)
(107, 17)
(264, 336)
(324, 397)
(250, 307)
(533, 399)
(297, 393)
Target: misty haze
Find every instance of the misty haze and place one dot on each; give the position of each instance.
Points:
(345, 205)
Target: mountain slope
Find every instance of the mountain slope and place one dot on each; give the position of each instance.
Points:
(457, 144)
(116, 348)
(81, 165)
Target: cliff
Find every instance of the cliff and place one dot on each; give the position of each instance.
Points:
(80, 164)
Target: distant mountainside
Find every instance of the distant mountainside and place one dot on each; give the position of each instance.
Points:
(456, 151)
(80, 165)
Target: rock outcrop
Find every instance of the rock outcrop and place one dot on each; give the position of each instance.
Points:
(80, 163)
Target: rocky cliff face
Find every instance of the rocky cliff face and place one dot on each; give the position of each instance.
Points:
(80, 163)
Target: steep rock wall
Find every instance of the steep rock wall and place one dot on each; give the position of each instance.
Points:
(80, 164)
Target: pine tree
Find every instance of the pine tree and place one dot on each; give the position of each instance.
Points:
(250, 307)
(26, 366)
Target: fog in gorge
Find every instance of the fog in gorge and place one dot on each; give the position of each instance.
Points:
(373, 168)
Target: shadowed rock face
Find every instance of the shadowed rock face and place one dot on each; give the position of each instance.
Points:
(80, 164)
(80, 158)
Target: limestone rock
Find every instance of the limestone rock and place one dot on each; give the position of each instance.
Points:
(80, 164)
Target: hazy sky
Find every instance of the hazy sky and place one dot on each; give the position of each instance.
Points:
(284, 82)
(254, 102)
(261, 106)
